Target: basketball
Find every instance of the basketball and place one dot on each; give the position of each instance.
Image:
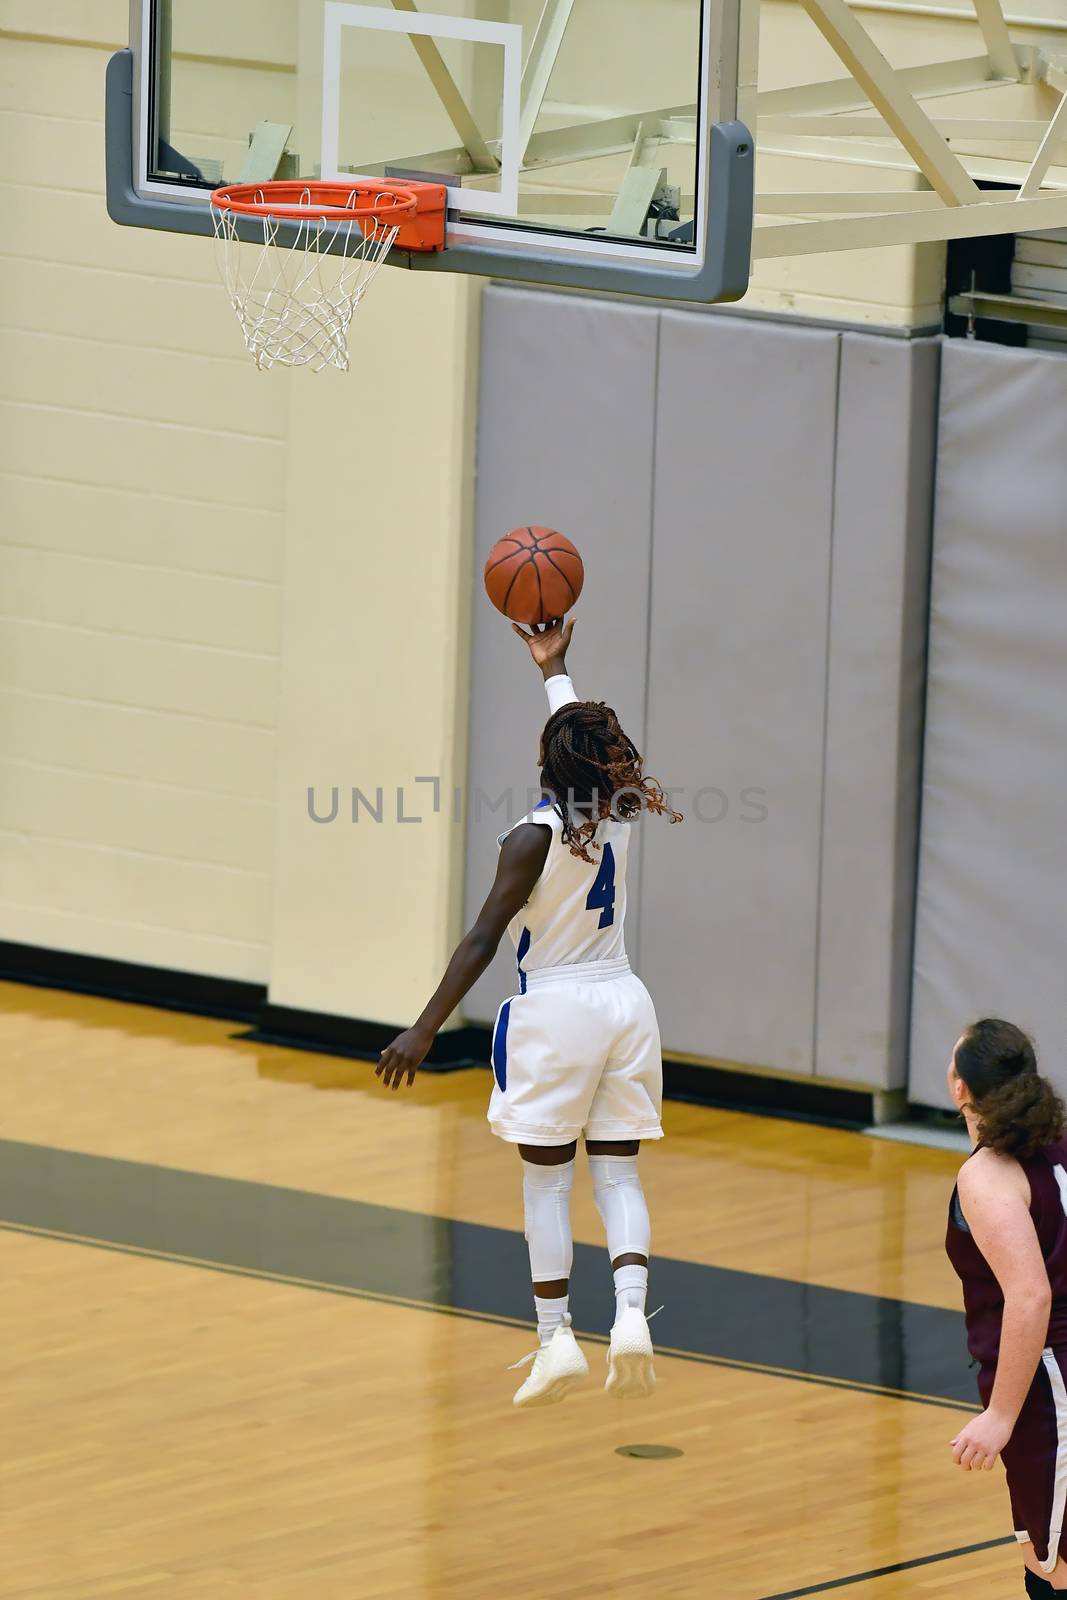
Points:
(533, 575)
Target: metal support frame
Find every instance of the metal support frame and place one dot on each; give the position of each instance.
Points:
(641, 183)
(898, 106)
(1055, 132)
(460, 115)
(868, 203)
(926, 81)
(991, 130)
(537, 70)
(826, 122)
(911, 227)
(1008, 308)
(1054, 74)
(997, 38)
(580, 141)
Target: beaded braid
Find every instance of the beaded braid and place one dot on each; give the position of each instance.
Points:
(588, 762)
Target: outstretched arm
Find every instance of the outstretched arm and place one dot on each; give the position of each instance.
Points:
(522, 859)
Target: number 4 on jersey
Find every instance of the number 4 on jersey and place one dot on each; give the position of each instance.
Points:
(602, 894)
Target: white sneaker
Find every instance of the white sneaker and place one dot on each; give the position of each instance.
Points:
(557, 1367)
(631, 1375)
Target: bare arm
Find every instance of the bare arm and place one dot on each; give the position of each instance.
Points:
(522, 859)
(995, 1197)
(548, 648)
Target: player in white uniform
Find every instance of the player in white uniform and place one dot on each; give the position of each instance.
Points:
(576, 1051)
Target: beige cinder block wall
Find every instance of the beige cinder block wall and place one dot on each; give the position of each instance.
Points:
(141, 528)
(374, 646)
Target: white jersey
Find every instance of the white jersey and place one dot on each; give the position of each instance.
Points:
(576, 912)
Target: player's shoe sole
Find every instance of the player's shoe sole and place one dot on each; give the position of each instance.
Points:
(631, 1374)
(557, 1367)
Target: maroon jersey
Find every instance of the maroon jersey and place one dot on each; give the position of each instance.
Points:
(983, 1301)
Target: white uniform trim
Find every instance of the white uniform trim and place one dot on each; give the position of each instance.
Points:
(580, 972)
(1059, 1496)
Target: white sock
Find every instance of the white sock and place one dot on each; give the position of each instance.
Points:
(631, 1287)
(551, 1314)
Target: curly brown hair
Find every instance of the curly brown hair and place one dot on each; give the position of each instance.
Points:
(589, 765)
(1019, 1111)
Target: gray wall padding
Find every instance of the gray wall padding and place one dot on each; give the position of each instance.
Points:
(991, 934)
(741, 540)
(874, 707)
(565, 439)
(753, 503)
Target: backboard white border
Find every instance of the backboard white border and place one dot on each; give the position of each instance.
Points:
(503, 202)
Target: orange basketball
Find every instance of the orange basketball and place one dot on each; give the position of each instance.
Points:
(533, 575)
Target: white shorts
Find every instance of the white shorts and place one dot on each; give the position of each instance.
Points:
(579, 1052)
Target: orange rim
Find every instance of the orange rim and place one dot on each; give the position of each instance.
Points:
(317, 201)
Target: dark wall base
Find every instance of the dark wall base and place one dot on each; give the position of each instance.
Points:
(736, 1090)
(363, 1041)
(128, 980)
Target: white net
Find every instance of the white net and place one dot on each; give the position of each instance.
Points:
(295, 292)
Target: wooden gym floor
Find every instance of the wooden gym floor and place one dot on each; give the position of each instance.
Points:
(258, 1312)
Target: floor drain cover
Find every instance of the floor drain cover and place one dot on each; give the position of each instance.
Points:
(648, 1452)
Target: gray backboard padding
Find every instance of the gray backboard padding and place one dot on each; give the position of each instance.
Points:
(741, 555)
(883, 502)
(992, 907)
(565, 439)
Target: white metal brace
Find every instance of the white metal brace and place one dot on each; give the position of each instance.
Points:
(898, 106)
(482, 158)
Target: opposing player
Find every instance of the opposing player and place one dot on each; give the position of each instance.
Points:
(577, 1051)
(1007, 1239)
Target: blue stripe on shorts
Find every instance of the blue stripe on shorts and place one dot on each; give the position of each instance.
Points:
(500, 1047)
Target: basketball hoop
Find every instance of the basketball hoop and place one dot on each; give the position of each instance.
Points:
(296, 279)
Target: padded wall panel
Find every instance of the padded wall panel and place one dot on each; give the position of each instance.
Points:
(991, 934)
(741, 555)
(883, 502)
(565, 439)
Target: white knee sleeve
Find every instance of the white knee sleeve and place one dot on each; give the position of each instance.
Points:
(546, 1194)
(620, 1200)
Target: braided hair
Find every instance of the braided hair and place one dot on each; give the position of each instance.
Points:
(592, 770)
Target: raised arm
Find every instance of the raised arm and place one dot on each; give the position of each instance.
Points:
(548, 646)
(522, 859)
(995, 1197)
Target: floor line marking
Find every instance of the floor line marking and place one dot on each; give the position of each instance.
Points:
(348, 1292)
(897, 1566)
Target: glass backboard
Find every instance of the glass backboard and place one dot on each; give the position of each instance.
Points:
(583, 142)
